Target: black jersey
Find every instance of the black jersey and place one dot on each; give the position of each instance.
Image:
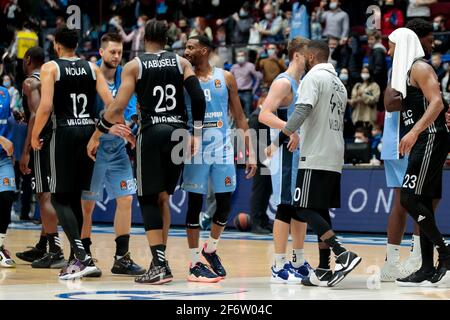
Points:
(160, 89)
(75, 93)
(414, 106)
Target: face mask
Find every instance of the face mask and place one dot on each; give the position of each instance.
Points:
(268, 16)
(436, 26)
(240, 60)
(365, 76)
(243, 13)
(140, 23)
(359, 140)
(6, 84)
(333, 5)
(343, 77)
(270, 52)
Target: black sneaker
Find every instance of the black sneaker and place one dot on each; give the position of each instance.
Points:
(419, 278)
(168, 270)
(318, 278)
(345, 263)
(442, 274)
(50, 261)
(214, 261)
(155, 275)
(95, 273)
(201, 273)
(126, 266)
(31, 255)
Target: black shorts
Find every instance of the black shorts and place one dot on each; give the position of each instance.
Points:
(317, 189)
(425, 164)
(70, 167)
(155, 169)
(40, 167)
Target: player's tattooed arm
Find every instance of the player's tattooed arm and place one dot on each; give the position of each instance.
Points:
(48, 77)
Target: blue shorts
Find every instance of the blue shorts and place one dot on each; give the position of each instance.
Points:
(284, 169)
(197, 176)
(112, 169)
(395, 172)
(7, 176)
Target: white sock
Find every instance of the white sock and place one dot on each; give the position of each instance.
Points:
(280, 260)
(195, 255)
(392, 253)
(415, 250)
(2, 238)
(211, 245)
(298, 257)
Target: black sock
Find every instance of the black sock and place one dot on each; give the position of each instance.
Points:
(427, 252)
(335, 245)
(87, 245)
(54, 243)
(42, 244)
(159, 254)
(324, 262)
(72, 255)
(122, 245)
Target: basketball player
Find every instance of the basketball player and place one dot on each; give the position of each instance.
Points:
(112, 167)
(217, 160)
(426, 142)
(159, 79)
(319, 112)
(7, 177)
(276, 109)
(68, 90)
(33, 60)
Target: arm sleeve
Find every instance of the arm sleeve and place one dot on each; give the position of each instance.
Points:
(197, 96)
(301, 112)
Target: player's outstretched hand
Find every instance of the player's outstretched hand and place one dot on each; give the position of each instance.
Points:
(24, 161)
(294, 140)
(7, 146)
(407, 142)
(120, 130)
(93, 144)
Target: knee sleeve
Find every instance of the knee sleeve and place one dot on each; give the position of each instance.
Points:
(223, 209)
(151, 214)
(195, 204)
(285, 213)
(314, 219)
(6, 202)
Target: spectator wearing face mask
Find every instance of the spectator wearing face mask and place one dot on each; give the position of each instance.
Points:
(441, 41)
(8, 83)
(136, 37)
(247, 79)
(436, 62)
(271, 27)
(361, 135)
(349, 128)
(364, 100)
(271, 66)
(316, 27)
(336, 21)
(239, 25)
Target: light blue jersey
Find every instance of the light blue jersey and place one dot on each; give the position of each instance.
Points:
(284, 164)
(216, 158)
(7, 176)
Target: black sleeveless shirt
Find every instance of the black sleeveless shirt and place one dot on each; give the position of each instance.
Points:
(414, 106)
(160, 89)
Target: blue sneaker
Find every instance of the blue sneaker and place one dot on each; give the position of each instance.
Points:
(214, 261)
(285, 276)
(304, 270)
(205, 221)
(201, 273)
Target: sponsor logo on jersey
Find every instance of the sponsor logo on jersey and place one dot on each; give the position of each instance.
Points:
(214, 124)
(218, 83)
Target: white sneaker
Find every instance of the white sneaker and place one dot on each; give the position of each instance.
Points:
(5, 259)
(392, 271)
(412, 264)
(285, 276)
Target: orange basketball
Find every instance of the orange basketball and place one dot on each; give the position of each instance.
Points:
(242, 221)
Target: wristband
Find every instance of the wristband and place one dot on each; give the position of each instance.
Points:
(103, 125)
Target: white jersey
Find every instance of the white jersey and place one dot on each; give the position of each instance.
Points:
(322, 133)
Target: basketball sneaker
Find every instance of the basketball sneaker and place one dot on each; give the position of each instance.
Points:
(31, 255)
(96, 272)
(412, 264)
(419, 278)
(392, 271)
(205, 221)
(304, 270)
(318, 278)
(5, 259)
(285, 275)
(155, 275)
(50, 261)
(126, 266)
(345, 263)
(201, 273)
(214, 262)
(442, 273)
(77, 269)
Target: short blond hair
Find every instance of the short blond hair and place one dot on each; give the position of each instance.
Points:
(297, 44)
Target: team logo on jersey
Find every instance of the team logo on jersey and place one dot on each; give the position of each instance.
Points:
(123, 185)
(219, 124)
(227, 181)
(217, 83)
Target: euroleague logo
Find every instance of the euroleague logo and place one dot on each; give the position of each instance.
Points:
(217, 83)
